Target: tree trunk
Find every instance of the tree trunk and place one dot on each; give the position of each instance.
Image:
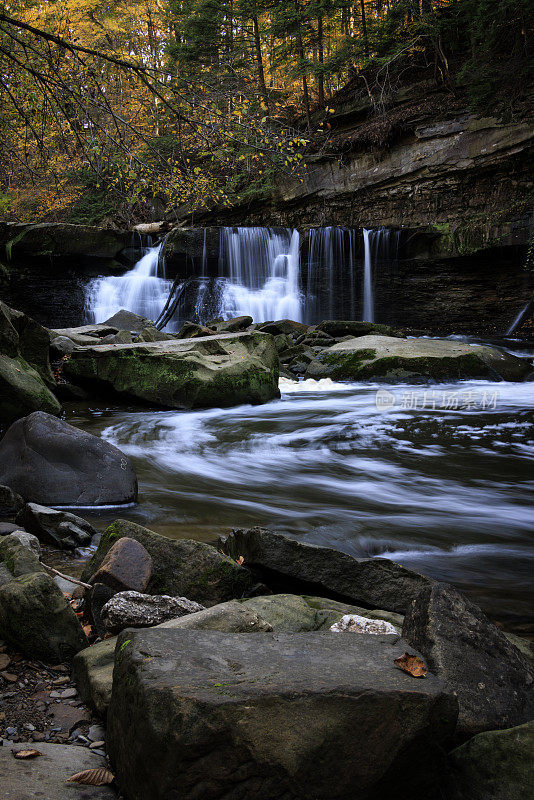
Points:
(259, 63)
(300, 53)
(364, 30)
(320, 48)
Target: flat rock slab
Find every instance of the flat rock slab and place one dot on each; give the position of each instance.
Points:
(43, 778)
(371, 582)
(311, 715)
(220, 370)
(394, 359)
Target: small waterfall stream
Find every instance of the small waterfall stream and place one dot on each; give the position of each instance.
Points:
(143, 289)
(368, 294)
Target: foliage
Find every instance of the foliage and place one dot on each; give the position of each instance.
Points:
(124, 110)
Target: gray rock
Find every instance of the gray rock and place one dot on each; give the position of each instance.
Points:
(26, 380)
(181, 567)
(270, 716)
(10, 502)
(61, 346)
(349, 328)
(492, 679)
(20, 560)
(45, 776)
(355, 623)
(27, 540)
(495, 765)
(371, 582)
(38, 620)
(286, 326)
(384, 358)
(58, 528)
(128, 321)
(222, 369)
(136, 610)
(9, 527)
(232, 325)
(52, 463)
(93, 667)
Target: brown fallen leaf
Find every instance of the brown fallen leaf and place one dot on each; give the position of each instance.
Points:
(25, 754)
(411, 664)
(9, 677)
(99, 776)
(240, 560)
(5, 660)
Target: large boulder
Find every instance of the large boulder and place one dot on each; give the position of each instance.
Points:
(26, 381)
(59, 239)
(10, 502)
(19, 559)
(126, 565)
(58, 528)
(350, 327)
(50, 462)
(310, 715)
(385, 358)
(180, 567)
(93, 667)
(36, 618)
(492, 679)
(298, 613)
(46, 777)
(220, 370)
(290, 564)
(495, 765)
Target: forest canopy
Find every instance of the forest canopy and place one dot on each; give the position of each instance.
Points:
(123, 110)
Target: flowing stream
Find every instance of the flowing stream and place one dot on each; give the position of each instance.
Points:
(441, 482)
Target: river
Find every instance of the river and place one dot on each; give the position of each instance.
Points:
(439, 481)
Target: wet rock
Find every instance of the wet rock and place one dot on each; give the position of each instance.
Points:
(122, 337)
(269, 716)
(492, 679)
(46, 776)
(38, 620)
(50, 462)
(495, 765)
(220, 370)
(388, 359)
(126, 565)
(192, 330)
(338, 328)
(290, 564)
(287, 326)
(136, 610)
(58, 528)
(26, 380)
(61, 346)
(27, 540)
(232, 325)
(181, 567)
(125, 320)
(10, 502)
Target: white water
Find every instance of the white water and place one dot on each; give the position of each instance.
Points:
(368, 297)
(260, 268)
(142, 290)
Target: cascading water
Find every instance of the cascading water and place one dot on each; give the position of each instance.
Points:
(381, 247)
(143, 290)
(332, 256)
(368, 314)
(259, 268)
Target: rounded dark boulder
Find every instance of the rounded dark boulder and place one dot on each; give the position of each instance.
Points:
(50, 462)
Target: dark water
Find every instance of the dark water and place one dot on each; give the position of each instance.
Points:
(441, 483)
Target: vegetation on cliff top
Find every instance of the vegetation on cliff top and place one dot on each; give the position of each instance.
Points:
(125, 110)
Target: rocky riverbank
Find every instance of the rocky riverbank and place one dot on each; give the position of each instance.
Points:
(363, 678)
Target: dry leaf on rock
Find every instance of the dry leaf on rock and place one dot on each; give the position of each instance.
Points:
(240, 560)
(92, 777)
(25, 754)
(413, 665)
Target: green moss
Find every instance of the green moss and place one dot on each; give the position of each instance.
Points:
(347, 364)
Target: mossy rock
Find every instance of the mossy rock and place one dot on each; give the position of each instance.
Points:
(392, 360)
(19, 560)
(181, 567)
(36, 619)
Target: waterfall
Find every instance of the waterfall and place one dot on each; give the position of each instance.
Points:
(143, 290)
(520, 318)
(332, 257)
(259, 273)
(368, 314)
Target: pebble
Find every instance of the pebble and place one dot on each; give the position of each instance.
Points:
(96, 745)
(65, 695)
(96, 733)
(98, 753)
(28, 726)
(11, 731)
